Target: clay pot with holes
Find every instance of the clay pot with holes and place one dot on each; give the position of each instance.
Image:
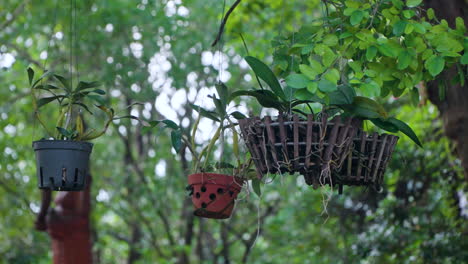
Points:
(214, 195)
(62, 165)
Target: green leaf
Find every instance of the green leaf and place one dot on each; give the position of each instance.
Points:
(86, 85)
(399, 27)
(143, 122)
(98, 91)
(265, 73)
(408, 13)
(46, 87)
(84, 107)
(330, 40)
(326, 86)
(385, 125)
(65, 82)
(205, 113)
(64, 132)
(176, 139)
(152, 124)
(316, 66)
(371, 52)
(430, 13)
(413, 3)
(308, 71)
(303, 94)
(297, 81)
(30, 75)
(223, 94)
(264, 97)
(460, 24)
(464, 58)
(342, 96)
(404, 59)
(238, 115)
(370, 88)
(312, 87)
(356, 17)
(44, 75)
(368, 108)
(333, 75)
(170, 124)
(43, 101)
(387, 50)
(435, 64)
(219, 107)
(96, 98)
(256, 186)
(403, 127)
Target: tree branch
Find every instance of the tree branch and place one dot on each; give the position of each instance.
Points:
(24, 54)
(15, 14)
(16, 194)
(223, 23)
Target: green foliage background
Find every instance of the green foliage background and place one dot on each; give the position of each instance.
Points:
(420, 217)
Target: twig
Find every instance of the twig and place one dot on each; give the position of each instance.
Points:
(223, 23)
(16, 194)
(374, 12)
(15, 15)
(24, 54)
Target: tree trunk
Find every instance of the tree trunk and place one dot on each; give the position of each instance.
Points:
(453, 106)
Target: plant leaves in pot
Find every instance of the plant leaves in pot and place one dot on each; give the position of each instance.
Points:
(62, 156)
(214, 188)
(315, 145)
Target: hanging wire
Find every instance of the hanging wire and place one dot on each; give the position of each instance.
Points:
(51, 34)
(71, 43)
(220, 76)
(76, 42)
(221, 44)
(292, 57)
(44, 65)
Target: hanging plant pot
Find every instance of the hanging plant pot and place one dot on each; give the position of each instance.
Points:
(62, 165)
(290, 144)
(214, 195)
(366, 163)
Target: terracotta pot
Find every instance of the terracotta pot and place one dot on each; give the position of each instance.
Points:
(214, 195)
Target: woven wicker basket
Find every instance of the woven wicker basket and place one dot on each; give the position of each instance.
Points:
(366, 163)
(289, 144)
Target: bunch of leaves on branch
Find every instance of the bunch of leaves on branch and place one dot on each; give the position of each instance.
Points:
(360, 50)
(73, 105)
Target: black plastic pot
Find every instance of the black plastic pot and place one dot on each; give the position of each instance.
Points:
(62, 165)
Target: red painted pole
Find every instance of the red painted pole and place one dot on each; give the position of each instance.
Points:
(68, 225)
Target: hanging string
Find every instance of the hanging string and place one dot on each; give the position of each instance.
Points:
(71, 43)
(221, 44)
(75, 30)
(51, 35)
(44, 65)
(292, 58)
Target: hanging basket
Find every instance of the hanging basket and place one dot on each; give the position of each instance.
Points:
(214, 195)
(290, 144)
(62, 165)
(365, 165)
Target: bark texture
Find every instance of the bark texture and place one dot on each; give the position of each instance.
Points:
(453, 106)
